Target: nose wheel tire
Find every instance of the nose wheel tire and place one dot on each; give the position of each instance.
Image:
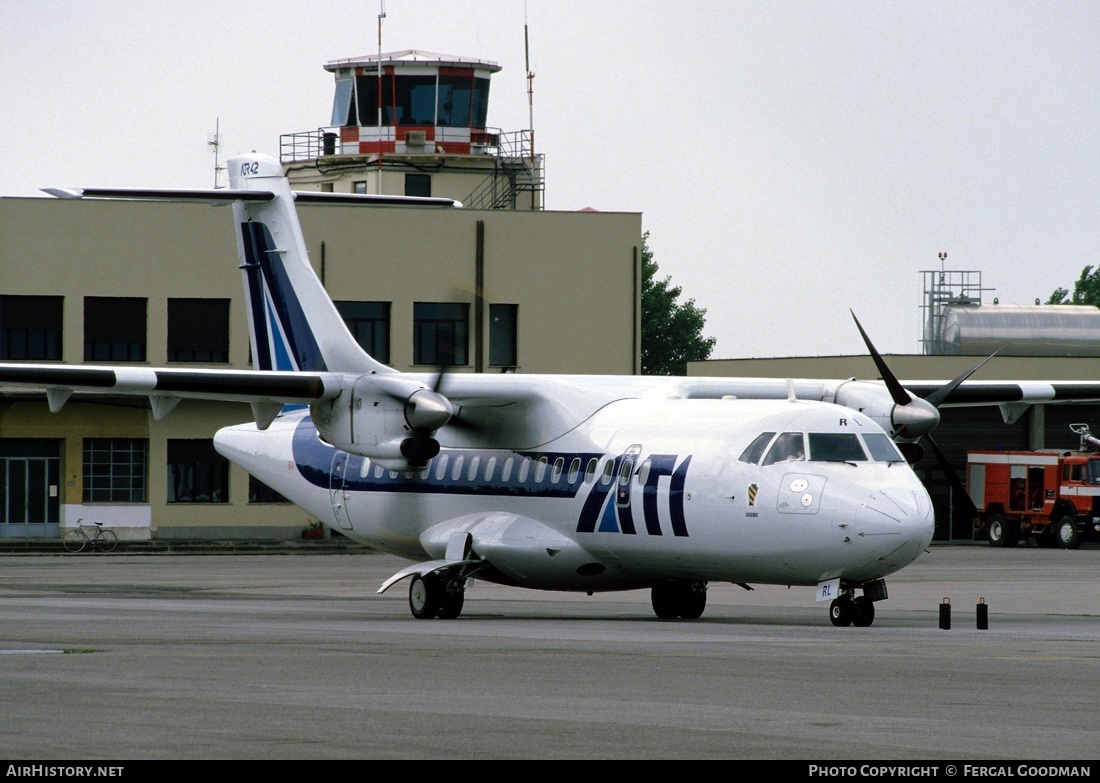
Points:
(841, 612)
(846, 611)
(864, 612)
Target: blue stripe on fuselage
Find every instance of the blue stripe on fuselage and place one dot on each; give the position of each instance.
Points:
(314, 459)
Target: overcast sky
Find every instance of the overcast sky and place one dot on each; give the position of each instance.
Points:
(791, 160)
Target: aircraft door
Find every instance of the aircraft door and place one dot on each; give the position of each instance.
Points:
(338, 489)
(623, 487)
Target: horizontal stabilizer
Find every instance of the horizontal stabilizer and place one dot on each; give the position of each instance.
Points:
(220, 196)
(229, 195)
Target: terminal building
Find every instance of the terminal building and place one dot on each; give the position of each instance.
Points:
(502, 285)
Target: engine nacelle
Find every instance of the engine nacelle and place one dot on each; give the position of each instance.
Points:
(388, 418)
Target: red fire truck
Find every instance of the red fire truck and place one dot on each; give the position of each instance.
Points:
(1049, 494)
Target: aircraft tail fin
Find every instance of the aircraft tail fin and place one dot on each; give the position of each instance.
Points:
(293, 324)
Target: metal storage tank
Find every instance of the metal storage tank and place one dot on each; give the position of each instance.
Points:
(1021, 330)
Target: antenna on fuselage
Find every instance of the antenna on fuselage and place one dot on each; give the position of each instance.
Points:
(791, 397)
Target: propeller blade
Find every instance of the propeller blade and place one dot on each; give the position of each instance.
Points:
(941, 394)
(960, 493)
(897, 391)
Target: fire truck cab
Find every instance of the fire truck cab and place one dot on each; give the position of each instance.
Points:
(1050, 494)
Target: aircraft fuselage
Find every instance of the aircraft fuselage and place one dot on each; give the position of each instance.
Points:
(643, 491)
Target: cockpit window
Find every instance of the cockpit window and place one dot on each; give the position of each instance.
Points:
(755, 449)
(788, 447)
(835, 447)
(882, 448)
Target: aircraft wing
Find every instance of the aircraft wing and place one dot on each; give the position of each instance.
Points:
(1005, 392)
(267, 391)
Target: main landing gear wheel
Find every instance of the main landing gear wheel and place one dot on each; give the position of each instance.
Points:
(453, 597)
(425, 596)
(431, 595)
(685, 600)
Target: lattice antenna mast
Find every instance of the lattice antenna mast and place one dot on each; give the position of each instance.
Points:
(213, 144)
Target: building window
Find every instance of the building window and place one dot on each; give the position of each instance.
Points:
(502, 334)
(369, 324)
(343, 104)
(259, 492)
(30, 327)
(196, 472)
(198, 330)
(115, 470)
(441, 333)
(360, 187)
(418, 185)
(114, 329)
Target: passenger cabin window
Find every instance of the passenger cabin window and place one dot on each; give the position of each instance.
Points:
(835, 447)
(788, 447)
(882, 448)
(755, 449)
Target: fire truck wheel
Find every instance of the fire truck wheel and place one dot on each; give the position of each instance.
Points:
(1065, 530)
(1000, 531)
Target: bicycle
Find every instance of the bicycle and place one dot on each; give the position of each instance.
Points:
(101, 540)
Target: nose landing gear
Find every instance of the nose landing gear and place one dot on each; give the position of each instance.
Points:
(859, 611)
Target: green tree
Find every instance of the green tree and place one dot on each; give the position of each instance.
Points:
(1086, 290)
(672, 333)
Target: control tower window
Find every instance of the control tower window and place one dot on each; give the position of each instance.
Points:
(366, 92)
(480, 103)
(414, 103)
(343, 105)
(463, 101)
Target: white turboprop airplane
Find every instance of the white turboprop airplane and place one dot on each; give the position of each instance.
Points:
(579, 483)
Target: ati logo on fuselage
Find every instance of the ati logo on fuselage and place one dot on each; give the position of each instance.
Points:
(612, 502)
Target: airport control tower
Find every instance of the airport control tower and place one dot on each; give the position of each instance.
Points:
(414, 123)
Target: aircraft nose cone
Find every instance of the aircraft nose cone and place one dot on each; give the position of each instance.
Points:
(897, 523)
